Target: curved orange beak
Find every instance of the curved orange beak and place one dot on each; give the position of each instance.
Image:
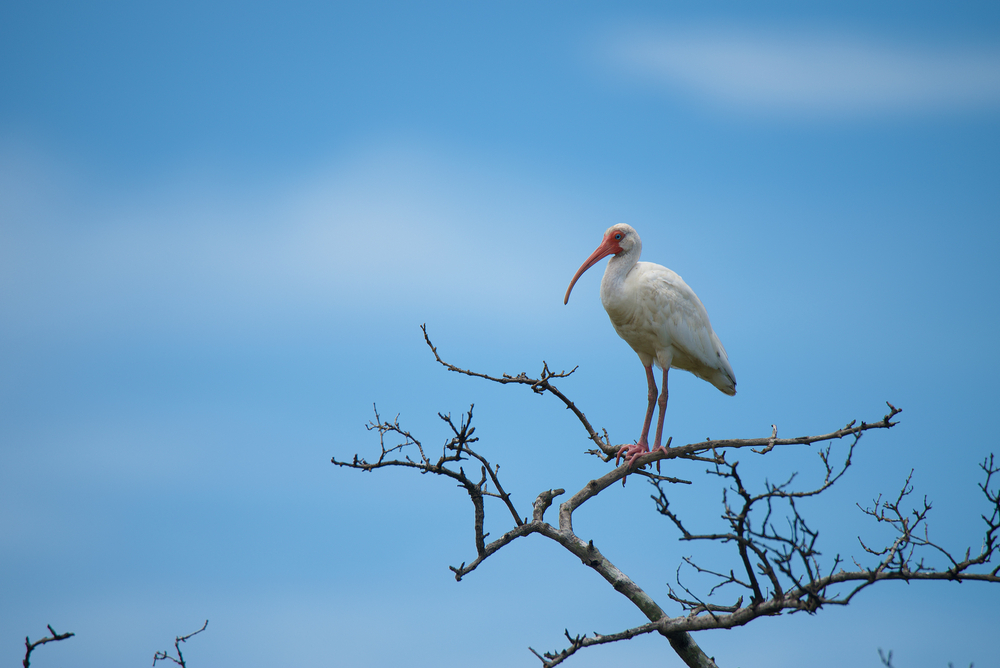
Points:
(608, 247)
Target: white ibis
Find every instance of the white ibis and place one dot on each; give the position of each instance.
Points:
(655, 311)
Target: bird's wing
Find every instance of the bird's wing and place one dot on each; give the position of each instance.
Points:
(682, 325)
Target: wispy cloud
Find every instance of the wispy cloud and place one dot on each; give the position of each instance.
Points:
(813, 73)
(382, 230)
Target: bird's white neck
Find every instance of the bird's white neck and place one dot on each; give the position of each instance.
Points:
(614, 276)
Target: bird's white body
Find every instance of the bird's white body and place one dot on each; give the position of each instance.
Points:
(655, 311)
(662, 319)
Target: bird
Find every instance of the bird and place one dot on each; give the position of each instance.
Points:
(662, 319)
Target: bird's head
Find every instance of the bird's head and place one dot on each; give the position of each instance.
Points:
(618, 240)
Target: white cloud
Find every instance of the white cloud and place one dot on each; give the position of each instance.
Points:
(388, 228)
(811, 73)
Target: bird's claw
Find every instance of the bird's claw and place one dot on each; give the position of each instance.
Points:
(659, 447)
(631, 453)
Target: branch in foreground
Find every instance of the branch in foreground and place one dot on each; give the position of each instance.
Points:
(30, 647)
(409, 452)
(775, 549)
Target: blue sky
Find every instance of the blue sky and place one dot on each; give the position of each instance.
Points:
(221, 226)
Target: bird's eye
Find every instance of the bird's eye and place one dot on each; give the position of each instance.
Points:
(618, 236)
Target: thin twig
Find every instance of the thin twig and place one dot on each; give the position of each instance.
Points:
(179, 660)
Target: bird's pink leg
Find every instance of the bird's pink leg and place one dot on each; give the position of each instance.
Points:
(630, 452)
(659, 419)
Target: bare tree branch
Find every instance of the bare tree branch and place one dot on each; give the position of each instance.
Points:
(455, 450)
(29, 646)
(179, 660)
(538, 386)
(549, 659)
(790, 560)
(776, 560)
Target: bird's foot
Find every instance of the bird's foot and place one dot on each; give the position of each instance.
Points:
(631, 452)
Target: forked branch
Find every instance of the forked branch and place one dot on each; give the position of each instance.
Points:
(30, 647)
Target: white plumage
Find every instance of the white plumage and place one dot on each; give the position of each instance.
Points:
(661, 318)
